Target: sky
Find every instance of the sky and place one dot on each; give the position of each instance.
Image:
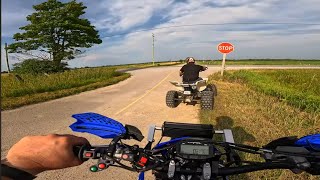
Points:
(126, 27)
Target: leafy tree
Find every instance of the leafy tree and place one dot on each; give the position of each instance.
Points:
(58, 29)
(34, 66)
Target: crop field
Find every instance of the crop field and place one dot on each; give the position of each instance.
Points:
(254, 104)
(263, 62)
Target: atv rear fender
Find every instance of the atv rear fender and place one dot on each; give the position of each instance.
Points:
(201, 85)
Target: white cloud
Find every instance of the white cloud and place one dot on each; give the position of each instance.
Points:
(251, 41)
(123, 14)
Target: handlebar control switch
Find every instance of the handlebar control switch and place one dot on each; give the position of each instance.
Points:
(93, 168)
(206, 171)
(171, 169)
(102, 166)
(88, 154)
(142, 161)
(128, 157)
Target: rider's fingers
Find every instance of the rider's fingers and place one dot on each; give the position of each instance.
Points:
(75, 140)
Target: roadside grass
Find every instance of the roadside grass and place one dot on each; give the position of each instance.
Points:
(256, 119)
(262, 62)
(300, 88)
(41, 88)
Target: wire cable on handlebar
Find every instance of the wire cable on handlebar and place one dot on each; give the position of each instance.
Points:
(122, 165)
(159, 141)
(255, 167)
(224, 144)
(161, 149)
(255, 150)
(245, 150)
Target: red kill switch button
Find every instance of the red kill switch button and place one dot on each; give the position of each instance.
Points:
(143, 160)
(102, 166)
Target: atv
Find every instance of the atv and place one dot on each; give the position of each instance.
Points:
(192, 93)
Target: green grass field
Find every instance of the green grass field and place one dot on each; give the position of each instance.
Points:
(40, 88)
(257, 117)
(300, 88)
(262, 62)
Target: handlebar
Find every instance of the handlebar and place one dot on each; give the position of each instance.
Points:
(137, 157)
(226, 171)
(256, 167)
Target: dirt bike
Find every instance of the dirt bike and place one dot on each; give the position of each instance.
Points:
(191, 153)
(193, 92)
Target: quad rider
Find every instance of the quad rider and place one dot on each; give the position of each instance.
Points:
(190, 71)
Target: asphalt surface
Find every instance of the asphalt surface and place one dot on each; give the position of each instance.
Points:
(139, 101)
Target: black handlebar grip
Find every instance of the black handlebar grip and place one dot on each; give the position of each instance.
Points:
(78, 151)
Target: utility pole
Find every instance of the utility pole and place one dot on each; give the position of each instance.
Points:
(7, 58)
(153, 49)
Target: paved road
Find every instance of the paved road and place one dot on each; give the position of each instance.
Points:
(139, 100)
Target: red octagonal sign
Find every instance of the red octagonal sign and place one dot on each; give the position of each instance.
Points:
(225, 47)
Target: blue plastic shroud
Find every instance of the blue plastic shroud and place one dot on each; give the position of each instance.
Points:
(310, 142)
(141, 176)
(98, 125)
(172, 141)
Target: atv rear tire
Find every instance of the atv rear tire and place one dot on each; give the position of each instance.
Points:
(212, 88)
(207, 100)
(171, 99)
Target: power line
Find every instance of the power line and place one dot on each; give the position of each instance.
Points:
(214, 24)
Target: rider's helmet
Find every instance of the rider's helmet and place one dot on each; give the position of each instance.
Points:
(190, 60)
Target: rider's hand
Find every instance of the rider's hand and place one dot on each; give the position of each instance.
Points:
(35, 154)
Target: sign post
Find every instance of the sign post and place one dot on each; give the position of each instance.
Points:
(224, 48)
(7, 58)
(223, 62)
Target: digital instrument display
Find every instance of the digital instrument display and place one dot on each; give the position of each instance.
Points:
(194, 149)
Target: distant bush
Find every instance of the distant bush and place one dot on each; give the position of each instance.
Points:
(34, 66)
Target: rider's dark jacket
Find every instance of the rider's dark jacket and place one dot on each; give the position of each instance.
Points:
(191, 72)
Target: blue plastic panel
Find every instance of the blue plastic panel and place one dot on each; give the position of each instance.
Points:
(310, 142)
(141, 176)
(98, 125)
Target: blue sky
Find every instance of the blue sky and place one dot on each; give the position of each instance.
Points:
(119, 23)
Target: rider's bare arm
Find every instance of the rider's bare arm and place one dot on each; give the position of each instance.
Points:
(35, 154)
(180, 73)
(204, 68)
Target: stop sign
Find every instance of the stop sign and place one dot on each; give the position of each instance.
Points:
(225, 47)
